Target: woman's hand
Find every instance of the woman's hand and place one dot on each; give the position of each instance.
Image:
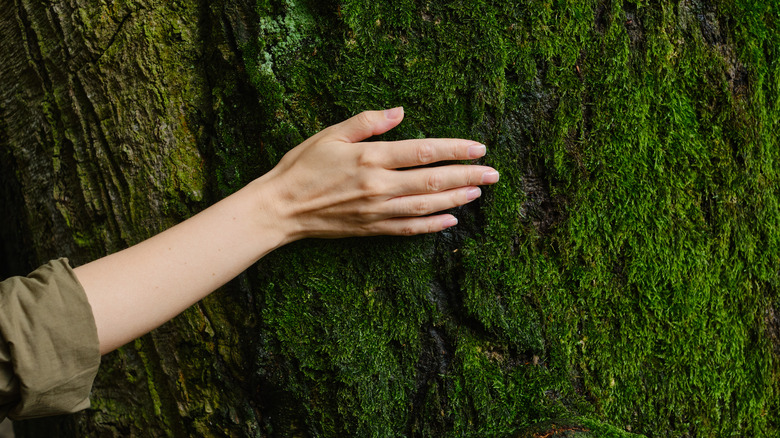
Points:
(331, 185)
(335, 185)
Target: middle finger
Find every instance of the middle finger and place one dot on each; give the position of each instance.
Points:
(438, 179)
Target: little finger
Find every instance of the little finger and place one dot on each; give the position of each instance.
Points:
(423, 205)
(411, 226)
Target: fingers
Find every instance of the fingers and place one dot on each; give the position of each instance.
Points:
(439, 179)
(365, 188)
(365, 125)
(423, 205)
(410, 153)
(413, 226)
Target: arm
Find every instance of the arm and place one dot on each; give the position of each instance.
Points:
(331, 185)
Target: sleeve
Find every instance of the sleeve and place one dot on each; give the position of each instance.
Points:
(49, 349)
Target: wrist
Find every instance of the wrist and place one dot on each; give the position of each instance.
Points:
(272, 226)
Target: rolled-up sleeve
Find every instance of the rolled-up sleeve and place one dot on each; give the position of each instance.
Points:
(49, 351)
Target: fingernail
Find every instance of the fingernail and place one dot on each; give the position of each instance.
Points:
(394, 113)
(473, 193)
(490, 177)
(476, 151)
(449, 222)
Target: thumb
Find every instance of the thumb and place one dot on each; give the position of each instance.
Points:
(367, 124)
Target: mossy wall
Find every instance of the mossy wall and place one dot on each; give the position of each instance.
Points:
(622, 277)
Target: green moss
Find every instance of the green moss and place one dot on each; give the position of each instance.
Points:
(356, 342)
(618, 271)
(617, 279)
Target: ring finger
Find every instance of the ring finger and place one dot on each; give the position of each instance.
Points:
(440, 179)
(422, 205)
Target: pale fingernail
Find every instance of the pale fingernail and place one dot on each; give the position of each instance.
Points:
(476, 151)
(473, 193)
(394, 113)
(449, 222)
(490, 177)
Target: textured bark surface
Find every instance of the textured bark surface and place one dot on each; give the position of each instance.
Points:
(622, 277)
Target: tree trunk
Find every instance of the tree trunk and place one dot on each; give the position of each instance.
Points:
(622, 275)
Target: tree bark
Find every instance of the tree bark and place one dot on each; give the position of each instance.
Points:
(622, 276)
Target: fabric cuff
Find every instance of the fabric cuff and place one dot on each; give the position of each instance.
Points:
(51, 341)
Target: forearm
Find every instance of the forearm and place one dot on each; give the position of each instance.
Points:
(331, 185)
(140, 288)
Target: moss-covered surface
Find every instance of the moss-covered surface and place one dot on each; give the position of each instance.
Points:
(622, 270)
(622, 277)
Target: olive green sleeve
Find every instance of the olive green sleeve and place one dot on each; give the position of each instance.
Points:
(49, 351)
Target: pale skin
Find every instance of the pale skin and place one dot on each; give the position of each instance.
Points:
(331, 185)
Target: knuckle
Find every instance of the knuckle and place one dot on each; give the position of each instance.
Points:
(371, 187)
(365, 229)
(433, 184)
(365, 118)
(472, 177)
(456, 154)
(408, 230)
(420, 207)
(366, 158)
(457, 197)
(425, 153)
(367, 214)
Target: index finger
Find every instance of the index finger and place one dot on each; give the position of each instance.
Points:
(418, 152)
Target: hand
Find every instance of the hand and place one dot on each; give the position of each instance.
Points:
(331, 185)
(334, 185)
